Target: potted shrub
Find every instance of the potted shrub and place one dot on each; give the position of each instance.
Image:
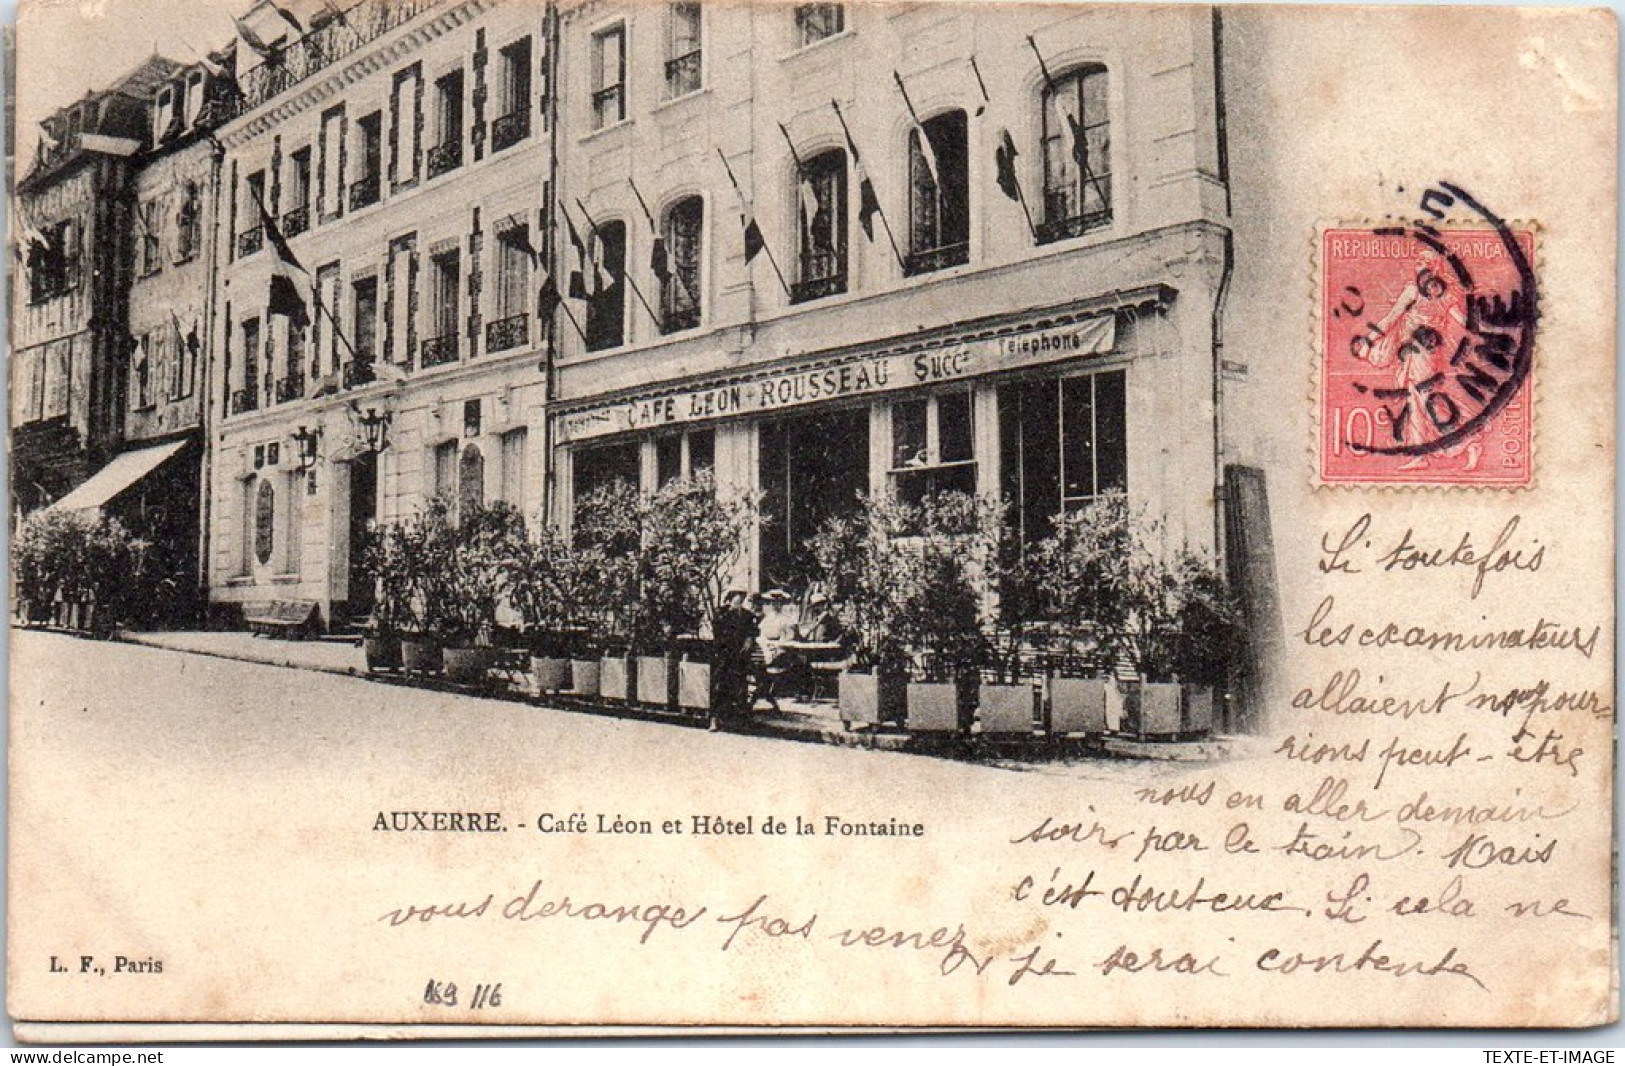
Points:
(423, 543)
(1187, 637)
(84, 565)
(861, 562)
(541, 588)
(463, 596)
(949, 554)
(383, 557)
(1080, 575)
(605, 545)
(1007, 699)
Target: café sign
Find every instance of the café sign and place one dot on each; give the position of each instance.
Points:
(857, 377)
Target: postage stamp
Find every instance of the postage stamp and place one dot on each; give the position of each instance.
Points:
(1426, 351)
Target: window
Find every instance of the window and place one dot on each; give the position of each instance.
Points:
(141, 374)
(682, 50)
(248, 398)
(597, 468)
(938, 194)
(513, 100)
(608, 77)
(186, 363)
(684, 454)
(445, 471)
(1077, 155)
(324, 340)
(251, 237)
(814, 22)
(296, 219)
(167, 117)
(330, 171)
(1062, 443)
(150, 224)
(822, 205)
(606, 308)
(933, 446)
(680, 285)
(194, 96)
(291, 386)
(401, 301)
(445, 273)
(294, 516)
(364, 191)
(189, 223)
(53, 261)
(470, 482)
(511, 326)
(405, 127)
(365, 334)
(447, 153)
(513, 466)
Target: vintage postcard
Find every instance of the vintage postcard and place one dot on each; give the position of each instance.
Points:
(601, 516)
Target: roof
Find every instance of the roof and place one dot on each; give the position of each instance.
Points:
(117, 476)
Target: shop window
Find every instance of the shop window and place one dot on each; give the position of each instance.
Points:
(1062, 444)
(366, 188)
(815, 22)
(933, 446)
(595, 469)
(447, 153)
(513, 101)
(939, 194)
(679, 455)
(470, 482)
(680, 285)
(813, 468)
(513, 466)
(1077, 155)
(682, 50)
(296, 219)
(608, 76)
(606, 308)
(822, 202)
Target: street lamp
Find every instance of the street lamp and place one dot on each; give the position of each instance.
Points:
(374, 429)
(304, 442)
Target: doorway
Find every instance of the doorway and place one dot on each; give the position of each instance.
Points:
(813, 468)
(363, 509)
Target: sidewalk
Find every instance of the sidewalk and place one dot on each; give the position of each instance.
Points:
(814, 721)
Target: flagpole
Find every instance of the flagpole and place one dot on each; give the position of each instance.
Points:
(1043, 67)
(980, 84)
(766, 247)
(647, 214)
(626, 275)
(563, 303)
(881, 211)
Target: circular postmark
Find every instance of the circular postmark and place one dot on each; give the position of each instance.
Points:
(1429, 336)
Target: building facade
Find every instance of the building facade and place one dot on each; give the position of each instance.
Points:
(823, 250)
(402, 156)
(1030, 311)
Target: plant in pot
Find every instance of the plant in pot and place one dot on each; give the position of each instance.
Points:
(541, 578)
(424, 546)
(862, 563)
(383, 555)
(607, 540)
(462, 598)
(1187, 639)
(1081, 573)
(1006, 699)
(692, 538)
(949, 544)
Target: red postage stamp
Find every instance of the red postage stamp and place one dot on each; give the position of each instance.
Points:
(1426, 348)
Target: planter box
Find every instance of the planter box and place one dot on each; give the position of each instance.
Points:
(1197, 716)
(615, 679)
(655, 680)
(1154, 709)
(694, 686)
(936, 707)
(467, 665)
(551, 674)
(421, 657)
(1084, 705)
(584, 676)
(1006, 708)
(871, 699)
(383, 653)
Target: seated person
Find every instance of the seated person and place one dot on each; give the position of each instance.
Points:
(825, 626)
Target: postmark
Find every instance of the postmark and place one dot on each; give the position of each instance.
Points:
(1426, 349)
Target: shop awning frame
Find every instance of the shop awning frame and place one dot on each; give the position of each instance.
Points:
(120, 475)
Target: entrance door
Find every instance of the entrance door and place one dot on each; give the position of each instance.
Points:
(363, 508)
(813, 468)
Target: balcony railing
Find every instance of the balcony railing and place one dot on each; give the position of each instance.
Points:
(364, 193)
(445, 157)
(250, 241)
(507, 333)
(676, 319)
(296, 221)
(682, 75)
(438, 351)
(289, 389)
(326, 44)
(1060, 228)
(816, 288)
(932, 259)
(509, 130)
(358, 373)
(244, 400)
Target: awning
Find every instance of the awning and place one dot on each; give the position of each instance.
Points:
(117, 476)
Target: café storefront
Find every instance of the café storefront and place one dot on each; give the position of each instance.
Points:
(1048, 413)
